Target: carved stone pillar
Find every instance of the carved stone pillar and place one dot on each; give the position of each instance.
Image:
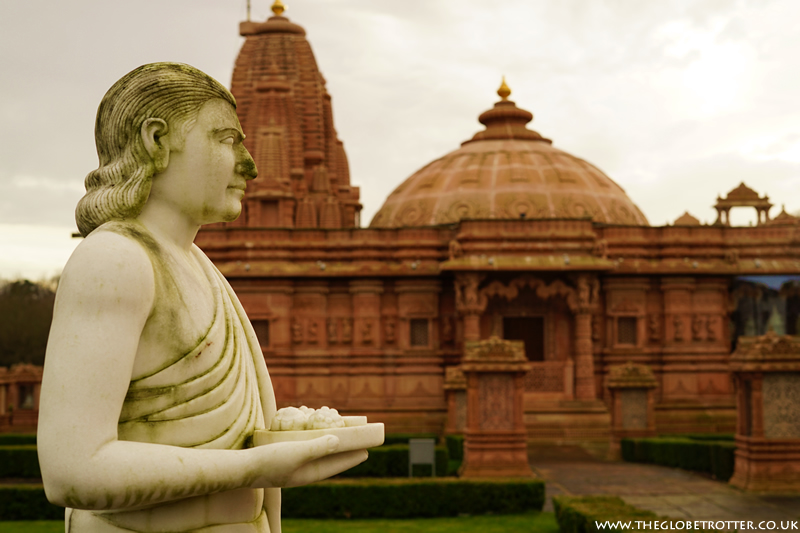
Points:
(583, 307)
(455, 389)
(766, 370)
(495, 443)
(470, 304)
(632, 391)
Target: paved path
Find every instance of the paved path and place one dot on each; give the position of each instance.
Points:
(666, 491)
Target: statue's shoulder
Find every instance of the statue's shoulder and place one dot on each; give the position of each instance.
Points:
(115, 254)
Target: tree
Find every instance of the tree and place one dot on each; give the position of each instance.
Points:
(26, 310)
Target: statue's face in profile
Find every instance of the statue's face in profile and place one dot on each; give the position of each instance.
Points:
(207, 177)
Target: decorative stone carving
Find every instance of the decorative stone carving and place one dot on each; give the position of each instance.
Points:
(766, 371)
(601, 248)
(468, 300)
(654, 328)
(312, 332)
(455, 250)
(366, 333)
(782, 405)
(711, 328)
(347, 330)
(297, 331)
(333, 334)
(155, 382)
(677, 324)
(389, 330)
(698, 327)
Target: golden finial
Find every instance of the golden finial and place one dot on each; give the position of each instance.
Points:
(278, 8)
(504, 92)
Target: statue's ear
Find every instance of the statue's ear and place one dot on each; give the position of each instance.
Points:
(154, 136)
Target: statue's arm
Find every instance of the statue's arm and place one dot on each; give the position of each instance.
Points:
(104, 299)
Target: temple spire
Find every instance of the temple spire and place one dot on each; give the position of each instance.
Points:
(278, 8)
(504, 92)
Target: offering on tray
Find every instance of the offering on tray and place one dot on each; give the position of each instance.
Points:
(304, 423)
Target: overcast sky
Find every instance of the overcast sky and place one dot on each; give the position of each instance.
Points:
(676, 100)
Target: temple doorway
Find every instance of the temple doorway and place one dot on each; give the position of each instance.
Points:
(530, 330)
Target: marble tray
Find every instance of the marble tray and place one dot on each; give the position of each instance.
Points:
(356, 435)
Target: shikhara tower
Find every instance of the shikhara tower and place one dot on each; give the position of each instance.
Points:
(285, 111)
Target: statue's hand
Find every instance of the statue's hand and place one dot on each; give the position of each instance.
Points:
(290, 464)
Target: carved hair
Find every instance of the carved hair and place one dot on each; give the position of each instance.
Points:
(120, 186)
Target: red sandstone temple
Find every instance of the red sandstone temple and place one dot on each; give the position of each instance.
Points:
(506, 236)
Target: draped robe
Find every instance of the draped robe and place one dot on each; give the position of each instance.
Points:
(214, 394)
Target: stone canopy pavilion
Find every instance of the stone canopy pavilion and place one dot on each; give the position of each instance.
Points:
(506, 236)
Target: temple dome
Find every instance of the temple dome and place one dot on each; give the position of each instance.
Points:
(506, 172)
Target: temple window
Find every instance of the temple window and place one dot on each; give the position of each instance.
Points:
(626, 330)
(418, 332)
(261, 328)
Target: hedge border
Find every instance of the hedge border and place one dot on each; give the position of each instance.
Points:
(27, 502)
(579, 514)
(412, 498)
(19, 461)
(378, 498)
(712, 457)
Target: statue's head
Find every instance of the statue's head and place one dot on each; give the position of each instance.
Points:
(120, 186)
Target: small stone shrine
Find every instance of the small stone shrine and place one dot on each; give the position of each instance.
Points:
(766, 370)
(631, 389)
(495, 443)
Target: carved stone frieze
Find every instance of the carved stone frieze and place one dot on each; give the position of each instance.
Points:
(389, 330)
(496, 392)
(782, 405)
(698, 327)
(631, 376)
(333, 335)
(347, 330)
(454, 378)
(312, 332)
(297, 331)
(677, 325)
(654, 328)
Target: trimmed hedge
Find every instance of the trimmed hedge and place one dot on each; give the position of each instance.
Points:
(412, 498)
(708, 436)
(27, 502)
(455, 447)
(392, 461)
(403, 498)
(15, 439)
(699, 455)
(19, 461)
(402, 438)
(578, 514)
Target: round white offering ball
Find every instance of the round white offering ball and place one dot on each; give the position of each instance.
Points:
(289, 419)
(325, 418)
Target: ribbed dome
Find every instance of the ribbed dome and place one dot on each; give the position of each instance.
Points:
(506, 171)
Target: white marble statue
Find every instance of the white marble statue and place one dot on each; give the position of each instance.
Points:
(154, 381)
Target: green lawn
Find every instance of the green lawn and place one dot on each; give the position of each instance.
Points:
(529, 523)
